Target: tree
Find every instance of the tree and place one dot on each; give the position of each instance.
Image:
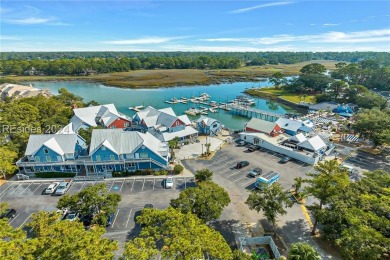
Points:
(337, 88)
(203, 175)
(371, 100)
(68, 239)
(302, 251)
(176, 236)
(95, 201)
(239, 255)
(298, 185)
(271, 200)
(86, 134)
(69, 98)
(328, 180)
(173, 144)
(14, 243)
(7, 161)
(206, 201)
(313, 68)
(278, 79)
(374, 125)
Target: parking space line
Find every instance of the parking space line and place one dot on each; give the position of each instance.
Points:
(15, 189)
(143, 184)
(6, 189)
(14, 218)
(37, 188)
(128, 218)
(24, 222)
(116, 215)
(246, 183)
(25, 189)
(243, 176)
(82, 186)
(122, 185)
(132, 185)
(111, 186)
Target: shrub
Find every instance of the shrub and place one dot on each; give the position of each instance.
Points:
(134, 173)
(162, 172)
(178, 169)
(55, 174)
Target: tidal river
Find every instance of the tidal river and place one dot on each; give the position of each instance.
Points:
(125, 98)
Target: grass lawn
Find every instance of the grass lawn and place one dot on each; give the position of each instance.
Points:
(180, 77)
(274, 93)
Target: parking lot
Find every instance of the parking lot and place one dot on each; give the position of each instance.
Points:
(28, 197)
(223, 163)
(367, 162)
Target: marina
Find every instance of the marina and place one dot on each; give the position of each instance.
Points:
(217, 99)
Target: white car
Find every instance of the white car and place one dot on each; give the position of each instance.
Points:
(169, 183)
(62, 188)
(52, 187)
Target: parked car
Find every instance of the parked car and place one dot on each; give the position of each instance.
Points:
(52, 187)
(253, 148)
(62, 188)
(256, 171)
(9, 213)
(285, 159)
(22, 176)
(148, 206)
(110, 219)
(72, 216)
(62, 213)
(241, 143)
(169, 183)
(242, 164)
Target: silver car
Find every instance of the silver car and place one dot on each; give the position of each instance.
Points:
(62, 188)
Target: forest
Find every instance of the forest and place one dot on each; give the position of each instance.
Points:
(86, 63)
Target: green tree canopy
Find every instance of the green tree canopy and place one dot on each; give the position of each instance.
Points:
(7, 160)
(56, 239)
(302, 251)
(278, 79)
(374, 125)
(203, 175)
(328, 180)
(94, 200)
(313, 68)
(175, 236)
(271, 200)
(206, 201)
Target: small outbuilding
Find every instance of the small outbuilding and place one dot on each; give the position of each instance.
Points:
(208, 126)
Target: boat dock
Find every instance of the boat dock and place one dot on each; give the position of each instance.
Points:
(136, 108)
(254, 112)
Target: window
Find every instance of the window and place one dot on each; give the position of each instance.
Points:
(103, 148)
(127, 124)
(112, 127)
(59, 158)
(37, 159)
(215, 125)
(143, 155)
(177, 123)
(112, 157)
(98, 158)
(48, 158)
(46, 151)
(132, 165)
(256, 141)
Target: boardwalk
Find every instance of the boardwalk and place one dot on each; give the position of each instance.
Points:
(253, 112)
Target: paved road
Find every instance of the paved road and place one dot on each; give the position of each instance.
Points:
(293, 227)
(27, 198)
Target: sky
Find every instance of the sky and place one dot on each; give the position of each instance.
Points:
(184, 25)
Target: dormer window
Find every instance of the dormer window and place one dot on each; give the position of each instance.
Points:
(46, 151)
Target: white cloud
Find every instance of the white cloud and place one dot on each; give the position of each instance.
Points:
(31, 20)
(243, 10)
(382, 35)
(8, 38)
(145, 40)
(330, 24)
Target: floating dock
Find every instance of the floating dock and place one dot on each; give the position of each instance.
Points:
(136, 108)
(253, 112)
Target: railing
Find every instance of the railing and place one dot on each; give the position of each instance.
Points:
(265, 240)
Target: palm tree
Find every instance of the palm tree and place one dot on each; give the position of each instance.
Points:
(302, 251)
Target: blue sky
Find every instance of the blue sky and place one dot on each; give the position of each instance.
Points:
(70, 25)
